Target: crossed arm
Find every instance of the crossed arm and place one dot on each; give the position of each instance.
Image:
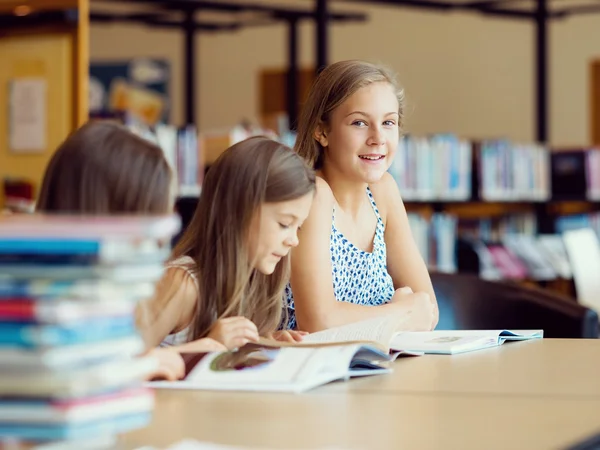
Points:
(312, 282)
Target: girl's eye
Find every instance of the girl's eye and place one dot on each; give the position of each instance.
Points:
(389, 123)
(285, 227)
(359, 123)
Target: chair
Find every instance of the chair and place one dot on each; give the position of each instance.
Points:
(468, 302)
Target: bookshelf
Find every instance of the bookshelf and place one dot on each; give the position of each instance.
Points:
(499, 207)
(504, 229)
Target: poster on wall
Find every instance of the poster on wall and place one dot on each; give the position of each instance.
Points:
(137, 88)
(27, 115)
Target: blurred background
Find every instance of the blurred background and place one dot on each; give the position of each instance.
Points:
(499, 161)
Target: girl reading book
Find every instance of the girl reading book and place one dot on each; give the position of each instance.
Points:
(229, 270)
(357, 257)
(103, 168)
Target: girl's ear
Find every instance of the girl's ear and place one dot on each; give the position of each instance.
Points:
(320, 135)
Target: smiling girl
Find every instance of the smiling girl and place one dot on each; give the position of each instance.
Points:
(357, 257)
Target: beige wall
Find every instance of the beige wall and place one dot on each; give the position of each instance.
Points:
(463, 73)
(45, 56)
(575, 43)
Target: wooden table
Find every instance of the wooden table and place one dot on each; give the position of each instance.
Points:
(546, 368)
(528, 395)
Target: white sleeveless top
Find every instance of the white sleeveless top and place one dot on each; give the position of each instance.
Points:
(181, 337)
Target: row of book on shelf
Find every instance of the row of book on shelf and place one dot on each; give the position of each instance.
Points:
(189, 152)
(444, 167)
(501, 248)
(440, 167)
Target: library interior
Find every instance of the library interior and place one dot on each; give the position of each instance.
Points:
(499, 130)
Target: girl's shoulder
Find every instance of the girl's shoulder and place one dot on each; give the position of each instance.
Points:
(323, 190)
(324, 200)
(173, 305)
(384, 192)
(184, 263)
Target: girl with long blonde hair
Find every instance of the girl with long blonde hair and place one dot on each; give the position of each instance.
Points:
(357, 257)
(229, 270)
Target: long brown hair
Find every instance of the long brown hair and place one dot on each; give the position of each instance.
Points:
(246, 175)
(332, 87)
(103, 168)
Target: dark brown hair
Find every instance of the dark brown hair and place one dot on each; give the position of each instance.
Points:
(246, 175)
(103, 168)
(332, 87)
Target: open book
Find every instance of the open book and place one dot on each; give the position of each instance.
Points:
(337, 354)
(452, 342)
(384, 334)
(362, 348)
(280, 367)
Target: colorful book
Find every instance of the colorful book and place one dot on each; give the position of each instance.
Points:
(126, 273)
(72, 251)
(89, 227)
(83, 381)
(81, 410)
(62, 311)
(80, 290)
(91, 331)
(51, 359)
(262, 367)
(338, 354)
(113, 425)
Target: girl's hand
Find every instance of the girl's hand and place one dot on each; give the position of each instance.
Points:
(287, 335)
(204, 345)
(234, 332)
(419, 306)
(170, 365)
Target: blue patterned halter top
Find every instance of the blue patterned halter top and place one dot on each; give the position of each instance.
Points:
(359, 277)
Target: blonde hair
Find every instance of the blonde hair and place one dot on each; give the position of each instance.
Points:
(246, 175)
(334, 85)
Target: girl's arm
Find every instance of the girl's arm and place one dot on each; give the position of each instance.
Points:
(404, 261)
(172, 309)
(311, 279)
(171, 366)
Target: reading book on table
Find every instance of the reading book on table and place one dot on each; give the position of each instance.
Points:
(452, 342)
(385, 333)
(287, 367)
(269, 366)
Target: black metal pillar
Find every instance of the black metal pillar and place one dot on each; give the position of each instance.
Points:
(190, 78)
(321, 34)
(542, 104)
(292, 74)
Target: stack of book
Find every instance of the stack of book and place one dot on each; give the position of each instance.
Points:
(70, 364)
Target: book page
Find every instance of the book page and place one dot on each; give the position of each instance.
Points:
(445, 342)
(379, 330)
(257, 368)
(452, 341)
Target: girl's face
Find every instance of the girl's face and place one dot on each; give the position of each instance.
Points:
(274, 231)
(362, 136)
